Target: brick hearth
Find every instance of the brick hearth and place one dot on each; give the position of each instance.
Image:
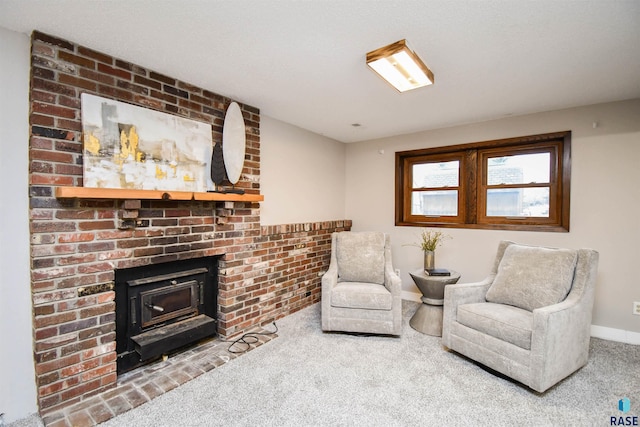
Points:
(266, 272)
(146, 383)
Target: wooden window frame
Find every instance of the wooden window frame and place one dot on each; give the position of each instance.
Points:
(472, 187)
(437, 158)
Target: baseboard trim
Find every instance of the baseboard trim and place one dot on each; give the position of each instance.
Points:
(603, 332)
(613, 334)
(411, 296)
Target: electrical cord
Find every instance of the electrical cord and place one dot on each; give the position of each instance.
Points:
(248, 339)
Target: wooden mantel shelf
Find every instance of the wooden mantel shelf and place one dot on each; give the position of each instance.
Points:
(122, 194)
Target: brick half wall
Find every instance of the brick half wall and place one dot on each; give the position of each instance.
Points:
(266, 272)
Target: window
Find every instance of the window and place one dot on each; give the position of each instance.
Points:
(435, 187)
(518, 183)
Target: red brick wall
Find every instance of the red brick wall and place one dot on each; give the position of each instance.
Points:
(266, 272)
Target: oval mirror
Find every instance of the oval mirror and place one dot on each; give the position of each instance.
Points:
(233, 142)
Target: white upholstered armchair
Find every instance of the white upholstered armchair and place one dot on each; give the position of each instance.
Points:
(360, 290)
(530, 319)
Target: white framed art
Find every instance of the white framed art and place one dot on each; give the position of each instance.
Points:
(126, 146)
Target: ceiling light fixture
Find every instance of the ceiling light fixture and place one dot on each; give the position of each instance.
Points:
(400, 66)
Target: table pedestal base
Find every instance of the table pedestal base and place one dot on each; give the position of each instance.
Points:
(428, 317)
(428, 320)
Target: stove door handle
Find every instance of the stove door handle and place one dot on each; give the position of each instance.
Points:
(155, 308)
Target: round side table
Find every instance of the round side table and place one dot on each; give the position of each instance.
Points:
(428, 318)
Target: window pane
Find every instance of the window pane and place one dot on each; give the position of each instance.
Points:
(519, 169)
(441, 174)
(439, 203)
(528, 202)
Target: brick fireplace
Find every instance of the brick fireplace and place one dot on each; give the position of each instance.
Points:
(77, 244)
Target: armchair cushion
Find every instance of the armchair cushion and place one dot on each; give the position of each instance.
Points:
(533, 277)
(368, 296)
(505, 322)
(360, 257)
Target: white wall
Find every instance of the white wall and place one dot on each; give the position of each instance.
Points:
(605, 202)
(17, 377)
(302, 175)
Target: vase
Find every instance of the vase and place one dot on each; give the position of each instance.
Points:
(429, 260)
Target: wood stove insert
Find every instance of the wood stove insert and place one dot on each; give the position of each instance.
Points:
(163, 307)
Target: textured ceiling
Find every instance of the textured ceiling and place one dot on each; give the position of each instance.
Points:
(303, 62)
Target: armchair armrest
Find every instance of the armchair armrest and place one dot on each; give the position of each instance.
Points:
(392, 282)
(328, 281)
(561, 332)
(455, 295)
(559, 340)
(330, 277)
(466, 293)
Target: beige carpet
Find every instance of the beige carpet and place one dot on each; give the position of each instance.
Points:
(309, 378)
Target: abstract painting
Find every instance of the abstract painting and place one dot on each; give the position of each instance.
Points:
(126, 146)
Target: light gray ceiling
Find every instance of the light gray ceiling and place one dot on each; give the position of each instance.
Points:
(303, 62)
